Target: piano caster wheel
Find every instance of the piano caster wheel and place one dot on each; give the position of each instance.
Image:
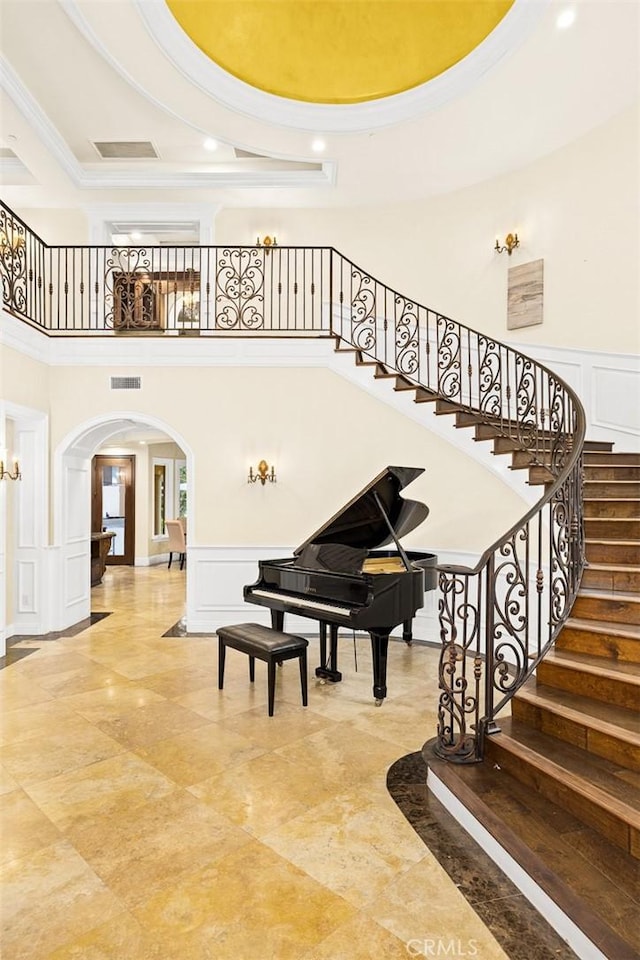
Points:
(379, 703)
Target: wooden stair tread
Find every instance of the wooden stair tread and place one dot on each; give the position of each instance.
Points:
(625, 485)
(613, 568)
(605, 717)
(584, 773)
(590, 879)
(597, 593)
(599, 666)
(629, 630)
(628, 543)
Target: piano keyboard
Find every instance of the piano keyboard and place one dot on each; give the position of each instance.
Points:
(297, 601)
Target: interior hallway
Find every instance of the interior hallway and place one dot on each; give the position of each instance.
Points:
(149, 816)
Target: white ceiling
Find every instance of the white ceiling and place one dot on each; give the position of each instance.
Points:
(78, 71)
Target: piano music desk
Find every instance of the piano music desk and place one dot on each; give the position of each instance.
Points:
(266, 644)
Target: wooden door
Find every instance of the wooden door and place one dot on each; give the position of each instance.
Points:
(113, 505)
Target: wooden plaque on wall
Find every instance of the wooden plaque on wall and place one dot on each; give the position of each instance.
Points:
(524, 295)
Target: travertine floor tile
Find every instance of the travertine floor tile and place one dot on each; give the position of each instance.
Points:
(290, 722)
(150, 723)
(360, 939)
(350, 754)
(140, 852)
(264, 793)
(24, 828)
(196, 755)
(32, 721)
(99, 791)
(49, 898)
(353, 843)
(110, 701)
(249, 903)
(69, 745)
(422, 906)
(122, 939)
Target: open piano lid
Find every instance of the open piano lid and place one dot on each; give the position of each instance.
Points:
(361, 524)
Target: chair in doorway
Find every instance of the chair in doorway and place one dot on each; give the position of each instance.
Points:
(177, 541)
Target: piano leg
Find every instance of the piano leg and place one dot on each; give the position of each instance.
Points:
(379, 647)
(328, 670)
(277, 620)
(407, 632)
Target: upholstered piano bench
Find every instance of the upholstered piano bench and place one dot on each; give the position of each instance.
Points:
(265, 644)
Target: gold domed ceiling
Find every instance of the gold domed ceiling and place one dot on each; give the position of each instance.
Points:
(337, 51)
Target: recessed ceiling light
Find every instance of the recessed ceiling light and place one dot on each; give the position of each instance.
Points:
(136, 235)
(318, 145)
(210, 144)
(566, 18)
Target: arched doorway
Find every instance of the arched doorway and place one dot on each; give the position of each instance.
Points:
(72, 506)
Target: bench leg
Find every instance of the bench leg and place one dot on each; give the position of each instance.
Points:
(221, 652)
(272, 684)
(303, 676)
(252, 669)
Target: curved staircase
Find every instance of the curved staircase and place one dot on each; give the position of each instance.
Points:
(560, 788)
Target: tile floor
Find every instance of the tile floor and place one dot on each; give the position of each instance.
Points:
(148, 816)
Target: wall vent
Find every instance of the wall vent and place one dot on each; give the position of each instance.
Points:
(126, 383)
(126, 149)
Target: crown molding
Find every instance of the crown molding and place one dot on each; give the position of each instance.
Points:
(146, 177)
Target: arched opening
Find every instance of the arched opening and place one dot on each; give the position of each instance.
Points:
(72, 471)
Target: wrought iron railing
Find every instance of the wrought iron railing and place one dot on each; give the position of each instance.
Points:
(497, 619)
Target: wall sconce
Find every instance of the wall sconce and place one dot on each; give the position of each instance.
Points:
(7, 475)
(266, 242)
(263, 474)
(10, 246)
(510, 243)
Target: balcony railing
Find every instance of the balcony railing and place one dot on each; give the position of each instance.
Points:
(497, 619)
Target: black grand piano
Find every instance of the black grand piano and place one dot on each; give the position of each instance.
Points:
(338, 577)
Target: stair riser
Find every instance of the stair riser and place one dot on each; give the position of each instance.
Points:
(617, 610)
(627, 581)
(538, 475)
(606, 528)
(624, 509)
(615, 829)
(611, 490)
(607, 645)
(623, 472)
(616, 553)
(617, 691)
(580, 735)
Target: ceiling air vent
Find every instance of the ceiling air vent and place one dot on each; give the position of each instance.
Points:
(126, 383)
(126, 149)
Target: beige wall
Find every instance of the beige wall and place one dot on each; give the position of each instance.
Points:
(23, 380)
(326, 437)
(577, 209)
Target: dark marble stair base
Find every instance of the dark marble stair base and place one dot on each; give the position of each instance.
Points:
(517, 926)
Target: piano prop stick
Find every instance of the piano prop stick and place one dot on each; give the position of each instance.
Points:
(339, 577)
